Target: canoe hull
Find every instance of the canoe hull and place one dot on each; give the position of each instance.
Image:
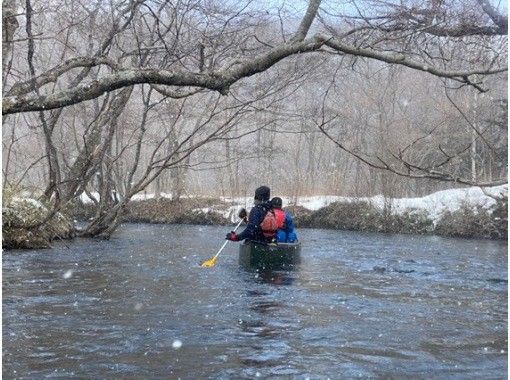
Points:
(282, 255)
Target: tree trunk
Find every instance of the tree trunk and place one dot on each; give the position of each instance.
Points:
(10, 24)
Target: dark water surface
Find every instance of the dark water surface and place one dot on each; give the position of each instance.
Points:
(359, 305)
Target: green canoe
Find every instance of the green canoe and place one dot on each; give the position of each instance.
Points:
(253, 255)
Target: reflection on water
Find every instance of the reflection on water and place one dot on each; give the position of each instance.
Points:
(359, 305)
(275, 277)
(266, 325)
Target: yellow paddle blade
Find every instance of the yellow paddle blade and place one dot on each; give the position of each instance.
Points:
(209, 263)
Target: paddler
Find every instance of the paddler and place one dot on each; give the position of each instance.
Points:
(261, 220)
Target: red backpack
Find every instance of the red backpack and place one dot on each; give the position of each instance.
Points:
(269, 225)
(280, 218)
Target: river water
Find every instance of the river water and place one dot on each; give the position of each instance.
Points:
(359, 305)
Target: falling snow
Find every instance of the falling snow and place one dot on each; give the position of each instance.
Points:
(68, 274)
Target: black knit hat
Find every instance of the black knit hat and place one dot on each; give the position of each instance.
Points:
(262, 193)
(277, 202)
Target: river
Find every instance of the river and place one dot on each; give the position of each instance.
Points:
(359, 305)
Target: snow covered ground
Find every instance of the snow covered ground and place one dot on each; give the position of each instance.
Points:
(434, 204)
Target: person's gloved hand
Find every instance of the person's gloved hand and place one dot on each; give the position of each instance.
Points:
(243, 214)
(232, 236)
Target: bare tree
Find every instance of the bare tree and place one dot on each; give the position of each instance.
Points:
(221, 79)
(128, 95)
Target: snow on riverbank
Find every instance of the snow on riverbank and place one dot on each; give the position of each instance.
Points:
(449, 200)
(435, 204)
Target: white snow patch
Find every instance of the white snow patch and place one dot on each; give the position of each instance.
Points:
(84, 198)
(144, 196)
(32, 201)
(230, 213)
(435, 204)
(137, 197)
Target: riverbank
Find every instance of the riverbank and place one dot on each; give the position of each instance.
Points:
(466, 213)
(467, 221)
(27, 223)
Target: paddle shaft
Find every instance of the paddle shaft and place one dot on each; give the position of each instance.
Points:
(224, 244)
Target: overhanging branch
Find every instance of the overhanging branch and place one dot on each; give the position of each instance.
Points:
(217, 81)
(401, 59)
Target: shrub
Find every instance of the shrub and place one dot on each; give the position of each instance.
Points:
(476, 222)
(300, 215)
(173, 211)
(200, 217)
(363, 216)
(412, 221)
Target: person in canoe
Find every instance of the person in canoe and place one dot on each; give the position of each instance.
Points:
(284, 222)
(261, 220)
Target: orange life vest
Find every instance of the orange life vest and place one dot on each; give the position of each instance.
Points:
(269, 225)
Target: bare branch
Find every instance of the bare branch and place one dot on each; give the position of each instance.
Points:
(218, 81)
(53, 74)
(175, 94)
(500, 20)
(420, 173)
(306, 22)
(401, 59)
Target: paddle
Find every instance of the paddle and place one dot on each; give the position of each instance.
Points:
(212, 261)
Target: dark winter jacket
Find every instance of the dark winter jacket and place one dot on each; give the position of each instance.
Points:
(253, 231)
